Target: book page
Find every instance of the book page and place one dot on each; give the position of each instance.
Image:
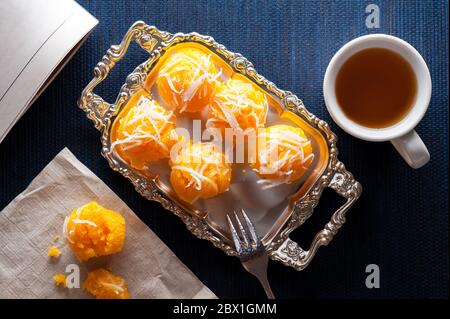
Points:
(37, 38)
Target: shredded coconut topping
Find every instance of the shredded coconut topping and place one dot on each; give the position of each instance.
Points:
(200, 76)
(234, 103)
(66, 235)
(84, 221)
(205, 163)
(149, 123)
(278, 154)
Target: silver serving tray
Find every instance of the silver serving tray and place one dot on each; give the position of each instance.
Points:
(278, 243)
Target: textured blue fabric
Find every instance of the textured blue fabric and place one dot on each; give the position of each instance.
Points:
(401, 221)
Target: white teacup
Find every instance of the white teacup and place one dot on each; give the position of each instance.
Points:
(402, 134)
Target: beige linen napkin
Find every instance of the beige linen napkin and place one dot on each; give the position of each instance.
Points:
(30, 222)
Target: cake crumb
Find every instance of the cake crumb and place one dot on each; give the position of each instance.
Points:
(60, 279)
(54, 251)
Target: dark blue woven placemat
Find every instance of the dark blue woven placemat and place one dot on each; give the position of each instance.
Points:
(401, 221)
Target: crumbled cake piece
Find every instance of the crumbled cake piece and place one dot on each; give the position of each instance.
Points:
(103, 284)
(54, 251)
(60, 280)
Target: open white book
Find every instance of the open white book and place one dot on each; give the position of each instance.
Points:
(37, 38)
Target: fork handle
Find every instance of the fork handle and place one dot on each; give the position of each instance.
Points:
(265, 283)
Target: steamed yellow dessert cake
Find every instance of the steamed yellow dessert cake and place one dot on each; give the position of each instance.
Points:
(238, 104)
(93, 231)
(145, 134)
(284, 154)
(199, 171)
(187, 79)
(103, 284)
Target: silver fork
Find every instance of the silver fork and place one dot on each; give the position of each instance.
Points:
(251, 251)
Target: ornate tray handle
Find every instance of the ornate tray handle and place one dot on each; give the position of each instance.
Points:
(93, 104)
(291, 254)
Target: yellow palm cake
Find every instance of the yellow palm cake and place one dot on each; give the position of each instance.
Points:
(238, 104)
(284, 155)
(145, 134)
(93, 231)
(199, 171)
(103, 284)
(187, 80)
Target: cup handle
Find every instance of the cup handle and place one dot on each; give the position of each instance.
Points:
(412, 149)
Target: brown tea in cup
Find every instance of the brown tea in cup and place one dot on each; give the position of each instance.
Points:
(376, 87)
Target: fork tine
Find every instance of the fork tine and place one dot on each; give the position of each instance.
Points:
(241, 228)
(251, 228)
(237, 241)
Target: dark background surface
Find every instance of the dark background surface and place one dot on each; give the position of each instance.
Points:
(401, 221)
